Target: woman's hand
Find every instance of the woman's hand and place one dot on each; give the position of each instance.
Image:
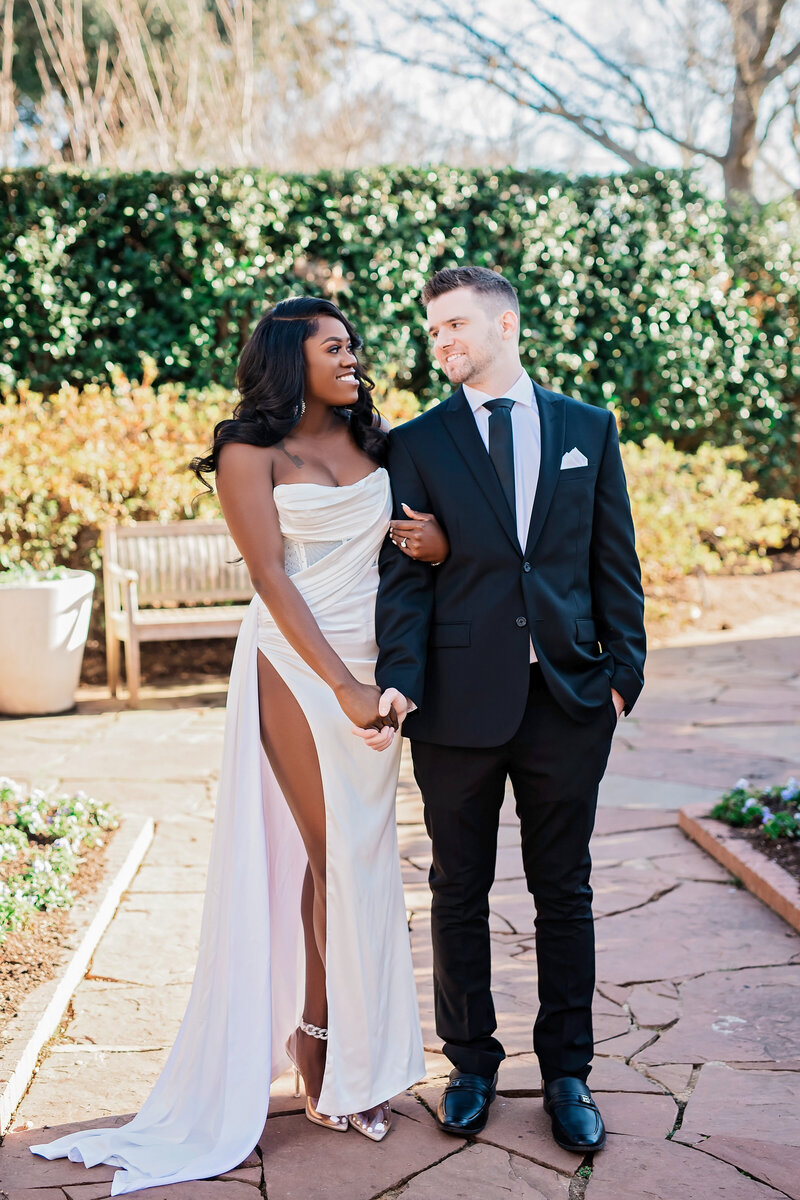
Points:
(420, 537)
(360, 702)
(391, 701)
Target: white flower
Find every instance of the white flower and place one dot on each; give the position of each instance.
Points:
(741, 785)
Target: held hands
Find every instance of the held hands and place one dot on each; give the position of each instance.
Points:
(420, 537)
(364, 705)
(393, 708)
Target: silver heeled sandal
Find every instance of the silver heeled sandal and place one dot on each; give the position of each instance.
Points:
(377, 1126)
(339, 1124)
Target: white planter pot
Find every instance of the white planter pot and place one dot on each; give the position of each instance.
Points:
(43, 629)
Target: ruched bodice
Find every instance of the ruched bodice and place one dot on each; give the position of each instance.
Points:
(321, 511)
(317, 520)
(332, 538)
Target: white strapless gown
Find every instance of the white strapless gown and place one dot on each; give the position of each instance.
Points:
(208, 1107)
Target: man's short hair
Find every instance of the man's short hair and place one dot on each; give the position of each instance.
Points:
(489, 284)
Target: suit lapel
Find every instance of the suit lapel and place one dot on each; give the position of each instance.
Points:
(552, 417)
(460, 424)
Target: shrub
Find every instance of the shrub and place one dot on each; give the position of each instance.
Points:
(637, 290)
(696, 512)
(84, 457)
(81, 458)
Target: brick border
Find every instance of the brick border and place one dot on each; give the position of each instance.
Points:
(765, 879)
(41, 1011)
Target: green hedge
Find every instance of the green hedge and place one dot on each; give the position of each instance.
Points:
(636, 290)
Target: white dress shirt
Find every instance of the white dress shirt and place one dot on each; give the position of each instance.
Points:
(527, 436)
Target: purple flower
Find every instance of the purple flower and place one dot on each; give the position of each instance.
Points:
(741, 785)
(791, 791)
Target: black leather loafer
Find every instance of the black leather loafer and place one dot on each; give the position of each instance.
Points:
(577, 1124)
(464, 1104)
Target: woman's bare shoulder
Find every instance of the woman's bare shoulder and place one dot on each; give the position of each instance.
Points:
(245, 459)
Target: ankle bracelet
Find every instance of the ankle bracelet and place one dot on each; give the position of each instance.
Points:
(314, 1031)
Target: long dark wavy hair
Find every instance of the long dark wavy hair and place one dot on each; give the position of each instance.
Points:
(270, 378)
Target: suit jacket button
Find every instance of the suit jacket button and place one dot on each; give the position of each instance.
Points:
(526, 566)
(522, 622)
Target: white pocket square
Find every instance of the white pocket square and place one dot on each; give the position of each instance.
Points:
(573, 458)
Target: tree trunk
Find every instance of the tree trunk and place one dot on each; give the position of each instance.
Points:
(738, 165)
(739, 161)
(754, 24)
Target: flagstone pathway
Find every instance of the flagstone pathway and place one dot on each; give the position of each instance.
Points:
(697, 1067)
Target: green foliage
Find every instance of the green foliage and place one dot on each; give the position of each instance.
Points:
(74, 461)
(774, 811)
(12, 573)
(81, 458)
(41, 838)
(696, 512)
(97, 28)
(636, 290)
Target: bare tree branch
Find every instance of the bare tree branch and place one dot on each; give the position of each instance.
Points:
(728, 51)
(555, 106)
(782, 64)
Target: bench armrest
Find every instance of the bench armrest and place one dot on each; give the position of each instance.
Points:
(127, 583)
(119, 573)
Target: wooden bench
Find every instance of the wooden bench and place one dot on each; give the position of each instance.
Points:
(152, 572)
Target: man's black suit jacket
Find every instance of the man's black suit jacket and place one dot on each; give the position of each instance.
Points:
(454, 638)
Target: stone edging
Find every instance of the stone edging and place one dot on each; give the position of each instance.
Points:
(40, 1012)
(764, 878)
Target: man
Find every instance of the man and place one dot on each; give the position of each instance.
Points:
(513, 660)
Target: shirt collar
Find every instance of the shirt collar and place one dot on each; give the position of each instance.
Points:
(521, 392)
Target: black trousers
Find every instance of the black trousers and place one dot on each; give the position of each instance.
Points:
(555, 765)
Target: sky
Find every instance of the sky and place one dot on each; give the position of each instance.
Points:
(454, 110)
(494, 125)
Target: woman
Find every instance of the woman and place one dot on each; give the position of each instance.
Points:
(304, 950)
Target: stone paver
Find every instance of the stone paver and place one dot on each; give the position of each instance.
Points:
(691, 920)
(521, 1127)
(734, 1016)
(350, 1166)
(482, 1170)
(726, 1101)
(697, 982)
(633, 1168)
(770, 1162)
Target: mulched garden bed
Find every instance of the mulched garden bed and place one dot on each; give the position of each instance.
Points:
(177, 662)
(785, 853)
(34, 954)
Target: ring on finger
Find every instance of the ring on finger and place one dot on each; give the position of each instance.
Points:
(403, 543)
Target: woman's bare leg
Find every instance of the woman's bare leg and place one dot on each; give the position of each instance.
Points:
(292, 753)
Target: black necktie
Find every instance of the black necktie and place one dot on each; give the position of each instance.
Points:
(501, 447)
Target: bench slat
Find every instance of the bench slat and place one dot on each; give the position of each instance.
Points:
(183, 563)
(191, 566)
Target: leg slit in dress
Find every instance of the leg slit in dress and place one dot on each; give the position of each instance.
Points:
(291, 750)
